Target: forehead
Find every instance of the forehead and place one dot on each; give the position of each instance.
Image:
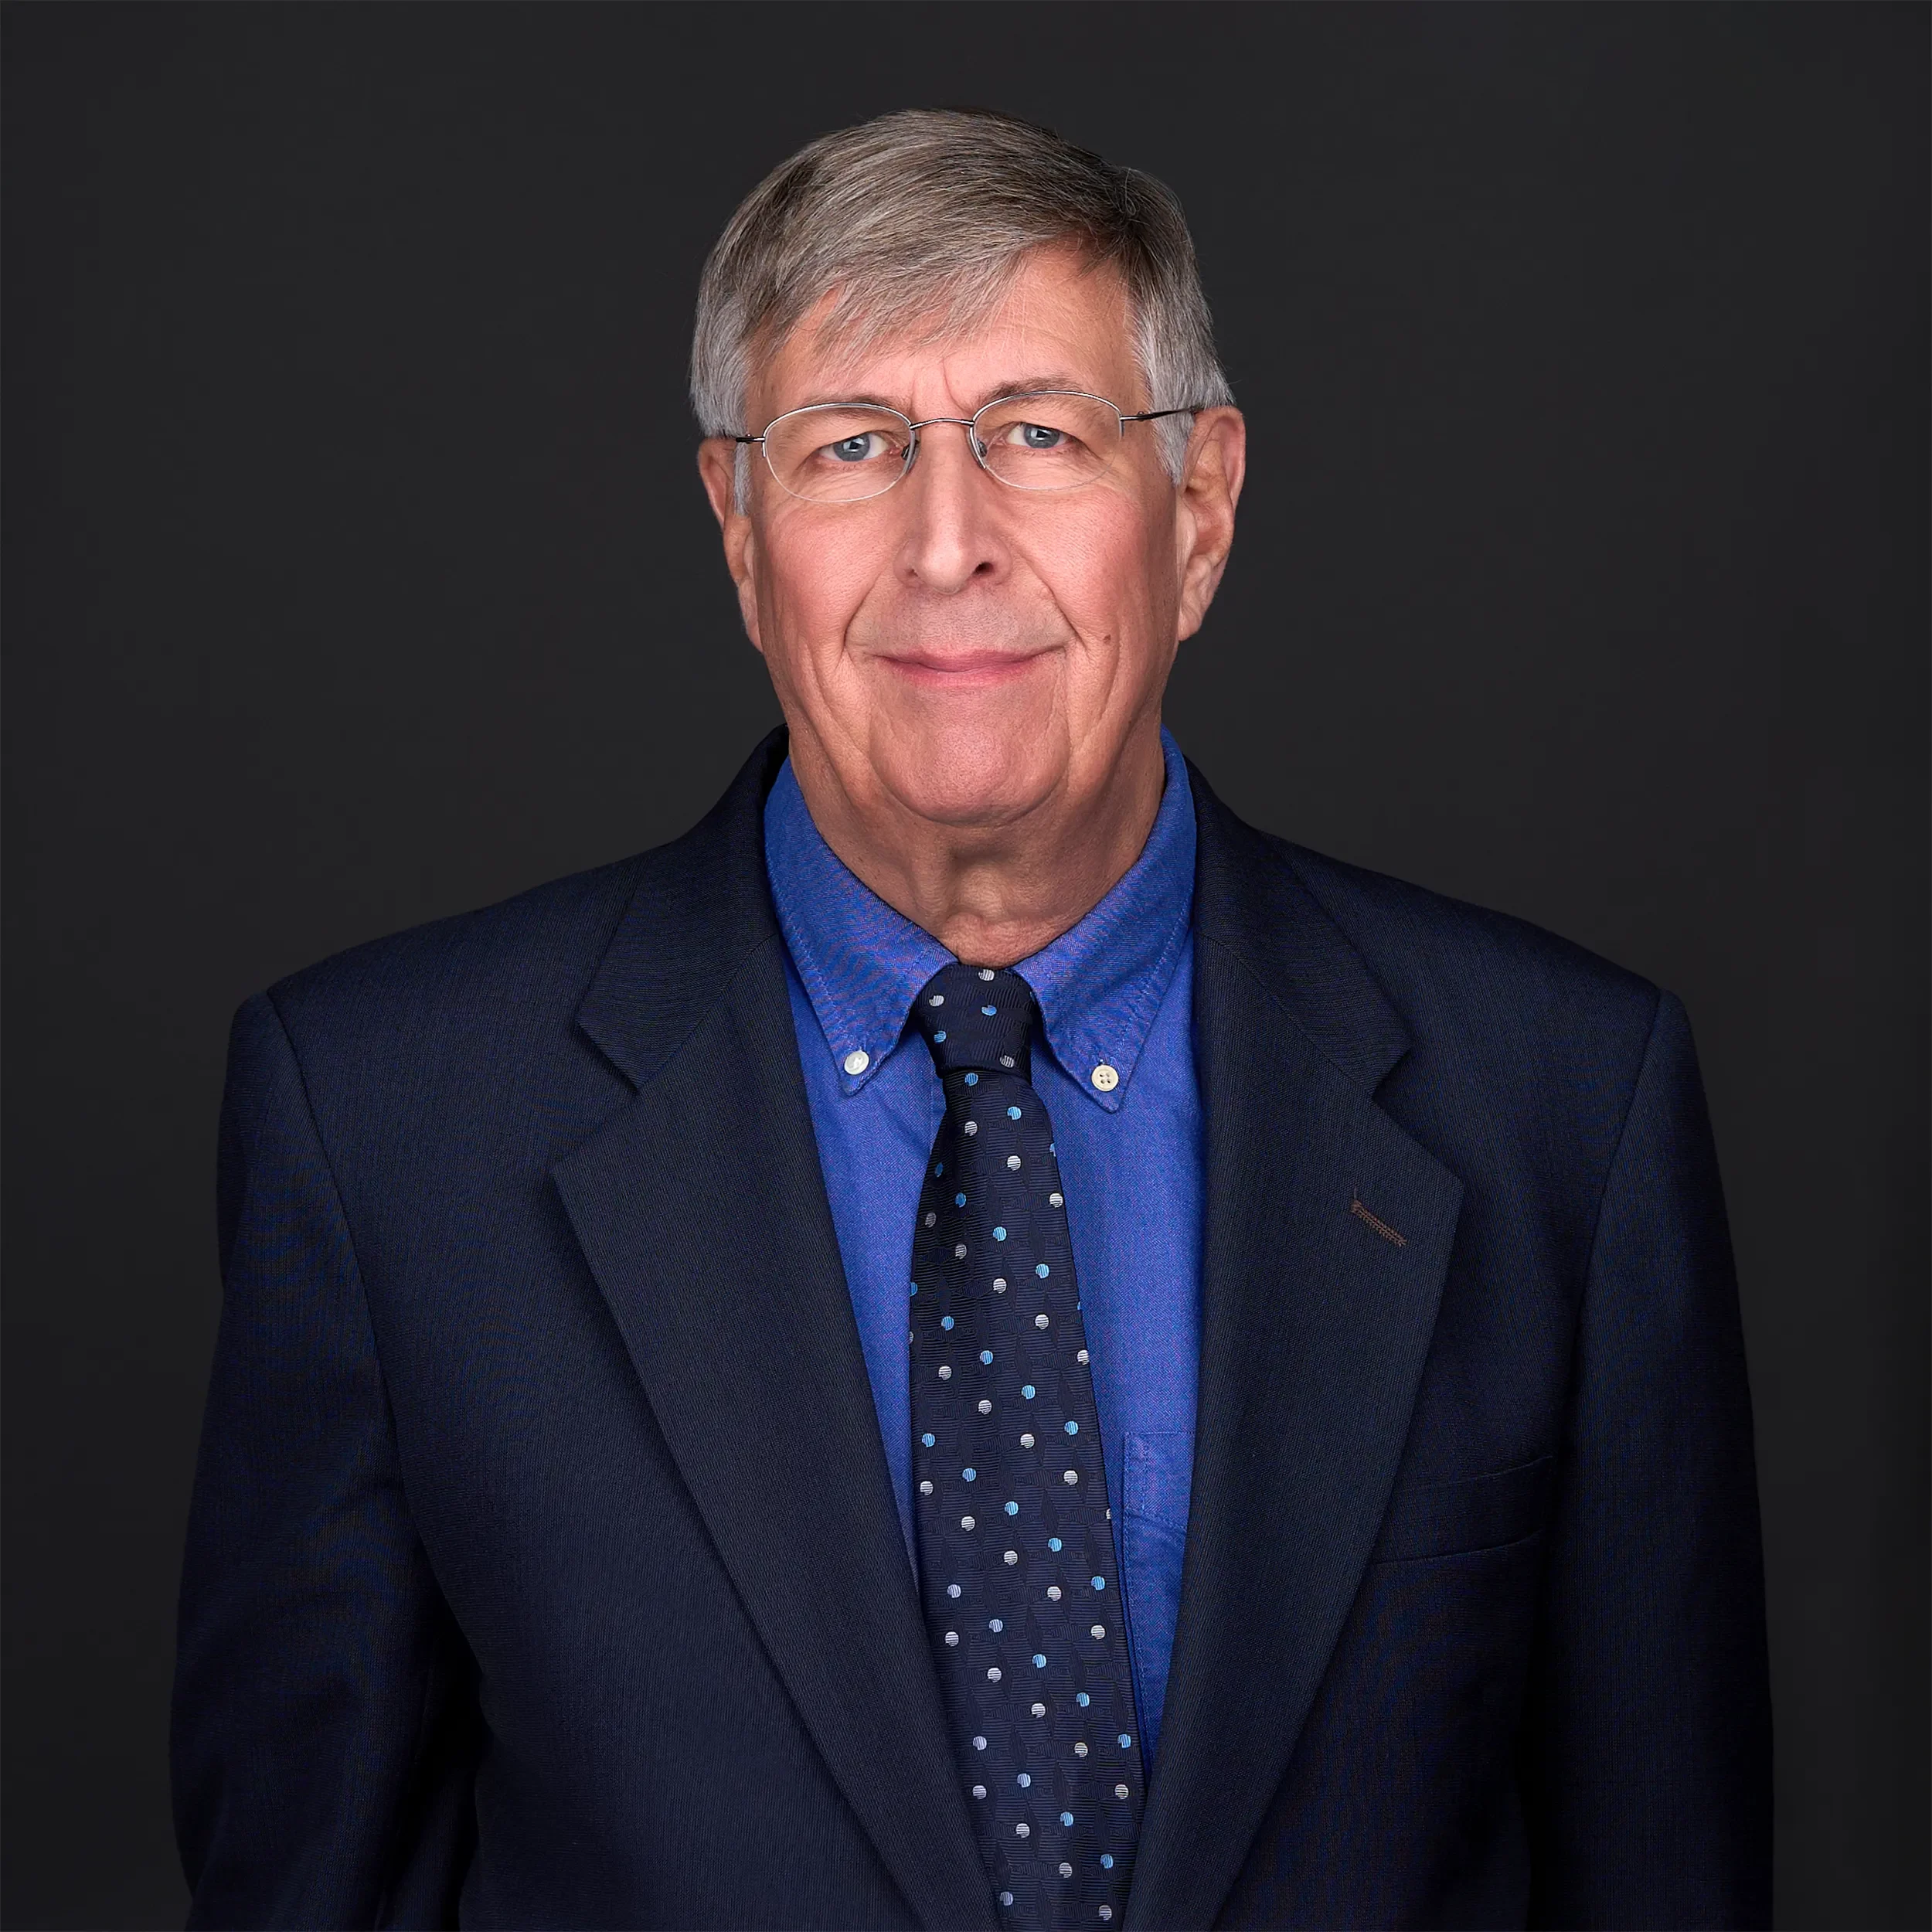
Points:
(1060, 322)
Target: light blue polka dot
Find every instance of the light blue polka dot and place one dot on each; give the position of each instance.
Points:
(972, 1080)
(1100, 1583)
(1066, 1818)
(1107, 1857)
(999, 1234)
(1012, 1509)
(940, 1034)
(1012, 1112)
(1026, 1390)
(986, 1355)
(1081, 1699)
(959, 1200)
(1073, 1428)
(1039, 1661)
(989, 1011)
(1041, 1270)
(1053, 1543)
(995, 1625)
(928, 1439)
(1125, 1740)
(945, 1321)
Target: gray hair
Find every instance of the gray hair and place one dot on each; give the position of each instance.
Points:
(920, 219)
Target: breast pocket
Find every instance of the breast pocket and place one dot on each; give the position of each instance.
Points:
(1475, 1512)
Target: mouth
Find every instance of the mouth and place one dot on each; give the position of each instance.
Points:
(971, 670)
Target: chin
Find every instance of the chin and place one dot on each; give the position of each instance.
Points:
(957, 774)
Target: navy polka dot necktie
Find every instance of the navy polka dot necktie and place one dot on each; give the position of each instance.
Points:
(1017, 1575)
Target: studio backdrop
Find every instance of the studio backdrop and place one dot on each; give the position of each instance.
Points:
(357, 573)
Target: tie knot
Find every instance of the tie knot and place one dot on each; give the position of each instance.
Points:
(977, 1017)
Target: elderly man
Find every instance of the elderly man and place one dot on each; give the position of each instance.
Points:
(975, 1342)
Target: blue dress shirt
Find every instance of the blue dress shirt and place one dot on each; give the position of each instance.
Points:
(1116, 991)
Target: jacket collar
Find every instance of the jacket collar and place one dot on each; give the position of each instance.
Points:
(1314, 1327)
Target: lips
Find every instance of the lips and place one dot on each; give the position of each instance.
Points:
(959, 669)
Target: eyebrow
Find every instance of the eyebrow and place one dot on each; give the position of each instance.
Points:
(1012, 386)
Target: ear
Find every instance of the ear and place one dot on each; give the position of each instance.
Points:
(718, 467)
(1211, 478)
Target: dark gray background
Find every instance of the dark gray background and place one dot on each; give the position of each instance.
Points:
(357, 573)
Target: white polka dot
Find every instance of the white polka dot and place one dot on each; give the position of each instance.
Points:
(959, 1253)
(970, 1127)
(1067, 1870)
(1026, 1442)
(1080, 1750)
(1040, 1710)
(1012, 1556)
(999, 1284)
(945, 1373)
(857, 1061)
(986, 972)
(1100, 1630)
(952, 1590)
(938, 999)
(1119, 1791)
(1012, 1160)
(979, 1743)
(1022, 1830)
(1072, 1475)
(985, 1407)
(1025, 1781)
(925, 1489)
(1040, 1321)
(952, 1637)
(1105, 1078)
(931, 1218)
(1006, 1060)
(1053, 1593)
(992, 1676)
(1056, 1200)
(1106, 1911)
(1006, 1898)
(965, 1522)
(1080, 1356)
(979, 1791)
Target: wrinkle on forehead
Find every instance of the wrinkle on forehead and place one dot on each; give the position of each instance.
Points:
(850, 323)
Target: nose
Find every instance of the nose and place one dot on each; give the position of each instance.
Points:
(953, 534)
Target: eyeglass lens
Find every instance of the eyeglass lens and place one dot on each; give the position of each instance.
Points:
(845, 452)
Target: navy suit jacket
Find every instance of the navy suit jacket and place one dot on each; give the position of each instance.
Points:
(544, 1569)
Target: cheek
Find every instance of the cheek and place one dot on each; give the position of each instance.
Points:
(1112, 575)
(812, 582)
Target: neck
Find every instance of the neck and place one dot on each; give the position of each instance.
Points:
(992, 895)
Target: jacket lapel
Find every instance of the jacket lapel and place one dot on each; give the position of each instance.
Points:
(1326, 1236)
(701, 1210)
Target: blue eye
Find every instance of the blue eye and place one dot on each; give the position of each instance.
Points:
(1037, 436)
(853, 449)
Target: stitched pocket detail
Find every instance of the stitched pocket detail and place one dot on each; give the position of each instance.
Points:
(1475, 1512)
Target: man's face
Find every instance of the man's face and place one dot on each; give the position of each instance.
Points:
(956, 648)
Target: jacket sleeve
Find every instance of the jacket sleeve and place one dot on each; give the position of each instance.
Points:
(323, 1734)
(1648, 1744)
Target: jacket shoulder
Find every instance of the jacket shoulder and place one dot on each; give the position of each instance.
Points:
(531, 955)
(1429, 950)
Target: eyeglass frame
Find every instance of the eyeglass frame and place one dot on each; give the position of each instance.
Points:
(967, 423)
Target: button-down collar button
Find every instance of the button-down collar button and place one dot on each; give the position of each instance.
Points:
(857, 1061)
(1105, 1078)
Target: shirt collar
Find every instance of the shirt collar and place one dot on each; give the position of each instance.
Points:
(1099, 984)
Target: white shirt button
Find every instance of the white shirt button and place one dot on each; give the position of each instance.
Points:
(857, 1060)
(1105, 1078)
